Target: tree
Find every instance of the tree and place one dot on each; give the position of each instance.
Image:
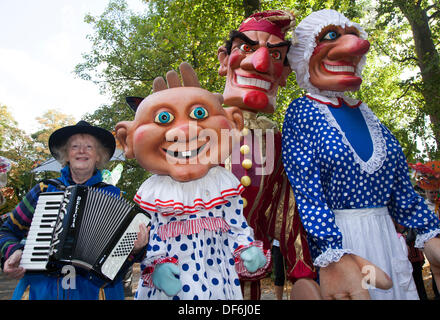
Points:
(17, 146)
(50, 121)
(419, 19)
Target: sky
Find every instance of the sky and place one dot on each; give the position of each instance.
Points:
(41, 42)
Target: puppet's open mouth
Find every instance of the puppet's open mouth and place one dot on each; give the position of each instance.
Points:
(339, 69)
(185, 154)
(253, 82)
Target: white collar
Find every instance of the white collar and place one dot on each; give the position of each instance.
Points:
(161, 193)
(335, 101)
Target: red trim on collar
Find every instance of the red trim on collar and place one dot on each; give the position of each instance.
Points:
(340, 101)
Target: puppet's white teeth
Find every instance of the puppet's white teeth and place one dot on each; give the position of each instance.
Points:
(253, 82)
(185, 154)
(339, 68)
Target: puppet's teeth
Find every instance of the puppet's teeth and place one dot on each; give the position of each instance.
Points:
(253, 82)
(339, 68)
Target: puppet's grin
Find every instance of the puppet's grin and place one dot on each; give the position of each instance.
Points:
(341, 69)
(253, 82)
(185, 154)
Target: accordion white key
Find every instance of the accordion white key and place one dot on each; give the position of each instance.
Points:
(83, 226)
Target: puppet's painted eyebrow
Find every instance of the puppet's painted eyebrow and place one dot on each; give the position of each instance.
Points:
(280, 44)
(246, 39)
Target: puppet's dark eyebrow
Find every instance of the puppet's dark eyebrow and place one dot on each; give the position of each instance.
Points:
(279, 44)
(246, 39)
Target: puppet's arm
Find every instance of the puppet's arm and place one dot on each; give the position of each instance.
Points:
(158, 269)
(303, 170)
(250, 257)
(407, 207)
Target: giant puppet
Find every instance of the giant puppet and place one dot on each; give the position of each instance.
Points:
(253, 60)
(348, 171)
(199, 239)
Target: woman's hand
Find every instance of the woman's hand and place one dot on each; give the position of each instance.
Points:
(12, 267)
(142, 238)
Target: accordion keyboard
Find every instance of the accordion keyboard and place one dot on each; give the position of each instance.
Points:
(36, 252)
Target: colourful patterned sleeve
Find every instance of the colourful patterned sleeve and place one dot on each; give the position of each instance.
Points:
(16, 227)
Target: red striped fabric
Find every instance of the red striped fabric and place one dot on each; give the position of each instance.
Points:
(187, 227)
(170, 207)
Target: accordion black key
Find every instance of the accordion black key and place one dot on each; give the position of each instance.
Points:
(83, 226)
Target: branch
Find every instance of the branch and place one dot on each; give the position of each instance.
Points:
(434, 15)
(406, 59)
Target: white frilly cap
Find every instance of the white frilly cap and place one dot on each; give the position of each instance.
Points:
(304, 43)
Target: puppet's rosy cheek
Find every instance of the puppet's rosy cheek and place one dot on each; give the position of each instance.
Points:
(318, 48)
(278, 69)
(234, 59)
(224, 124)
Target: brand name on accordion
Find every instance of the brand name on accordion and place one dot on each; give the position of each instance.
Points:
(59, 227)
(75, 215)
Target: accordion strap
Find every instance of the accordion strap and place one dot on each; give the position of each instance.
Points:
(61, 186)
(55, 182)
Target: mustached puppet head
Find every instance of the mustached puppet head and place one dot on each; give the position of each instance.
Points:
(328, 54)
(254, 62)
(180, 131)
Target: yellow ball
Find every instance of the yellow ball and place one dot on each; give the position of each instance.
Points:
(247, 164)
(245, 131)
(244, 202)
(244, 149)
(245, 181)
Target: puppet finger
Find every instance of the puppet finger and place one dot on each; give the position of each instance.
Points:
(159, 84)
(189, 76)
(173, 79)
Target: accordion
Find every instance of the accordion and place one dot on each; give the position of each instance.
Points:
(85, 227)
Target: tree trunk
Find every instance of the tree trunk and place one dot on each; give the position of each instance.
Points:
(428, 61)
(251, 6)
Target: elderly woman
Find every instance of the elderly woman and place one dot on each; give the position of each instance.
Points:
(83, 150)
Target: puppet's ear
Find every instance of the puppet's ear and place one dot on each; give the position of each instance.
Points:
(223, 57)
(122, 128)
(284, 75)
(134, 102)
(235, 115)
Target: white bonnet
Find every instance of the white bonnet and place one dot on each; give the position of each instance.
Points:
(304, 43)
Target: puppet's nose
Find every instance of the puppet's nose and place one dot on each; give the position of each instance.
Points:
(349, 45)
(261, 59)
(181, 133)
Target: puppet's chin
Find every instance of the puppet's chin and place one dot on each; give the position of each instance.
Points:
(350, 83)
(189, 172)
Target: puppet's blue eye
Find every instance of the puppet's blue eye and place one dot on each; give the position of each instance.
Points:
(199, 113)
(331, 35)
(164, 117)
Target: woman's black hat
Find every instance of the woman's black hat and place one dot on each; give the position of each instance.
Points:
(59, 137)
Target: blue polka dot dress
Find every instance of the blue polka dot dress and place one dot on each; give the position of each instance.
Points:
(350, 177)
(203, 236)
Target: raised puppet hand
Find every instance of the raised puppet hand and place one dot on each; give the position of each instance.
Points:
(432, 252)
(164, 278)
(189, 79)
(347, 279)
(253, 259)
